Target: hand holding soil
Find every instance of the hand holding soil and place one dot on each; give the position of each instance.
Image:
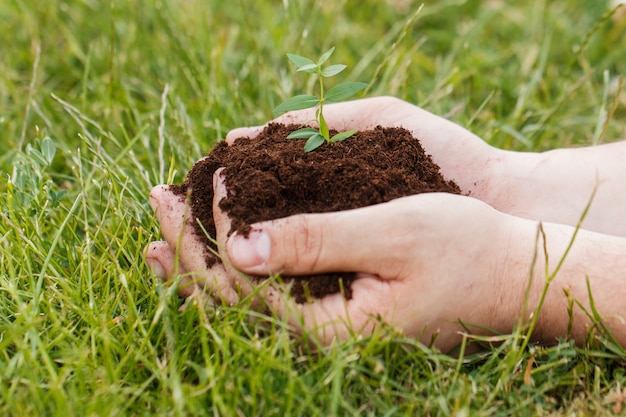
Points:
(401, 278)
(426, 261)
(389, 164)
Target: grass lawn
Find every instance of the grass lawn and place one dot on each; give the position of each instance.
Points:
(101, 100)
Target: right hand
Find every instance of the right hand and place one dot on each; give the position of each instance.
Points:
(424, 263)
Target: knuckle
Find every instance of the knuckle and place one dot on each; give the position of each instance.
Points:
(306, 243)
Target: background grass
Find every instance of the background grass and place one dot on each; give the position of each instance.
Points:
(100, 101)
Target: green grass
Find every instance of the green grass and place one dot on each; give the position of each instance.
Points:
(99, 101)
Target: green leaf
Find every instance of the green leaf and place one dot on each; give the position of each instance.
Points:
(344, 90)
(300, 61)
(312, 68)
(36, 156)
(313, 143)
(333, 70)
(326, 55)
(305, 132)
(48, 149)
(342, 136)
(299, 102)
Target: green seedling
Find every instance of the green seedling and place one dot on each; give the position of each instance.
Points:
(317, 137)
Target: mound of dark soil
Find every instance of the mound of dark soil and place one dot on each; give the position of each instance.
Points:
(270, 177)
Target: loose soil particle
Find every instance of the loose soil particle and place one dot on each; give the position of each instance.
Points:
(270, 177)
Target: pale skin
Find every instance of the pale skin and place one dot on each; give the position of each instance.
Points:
(427, 262)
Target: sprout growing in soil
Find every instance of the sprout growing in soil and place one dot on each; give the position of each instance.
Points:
(317, 137)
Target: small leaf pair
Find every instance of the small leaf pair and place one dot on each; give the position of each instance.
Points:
(317, 137)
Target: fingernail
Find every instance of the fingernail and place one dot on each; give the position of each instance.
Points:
(250, 252)
(156, 268)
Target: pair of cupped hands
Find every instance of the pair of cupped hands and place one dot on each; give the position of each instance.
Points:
(428, 264)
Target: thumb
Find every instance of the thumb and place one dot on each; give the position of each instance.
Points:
(243, 132)
(310, 243)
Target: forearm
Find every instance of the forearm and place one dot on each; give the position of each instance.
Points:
(556, 186)
(595, 259)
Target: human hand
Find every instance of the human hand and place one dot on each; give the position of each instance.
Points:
(424, 262)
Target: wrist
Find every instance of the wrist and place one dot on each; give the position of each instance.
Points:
(505, 180)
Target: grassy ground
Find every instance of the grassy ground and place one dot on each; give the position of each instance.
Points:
(99, 101)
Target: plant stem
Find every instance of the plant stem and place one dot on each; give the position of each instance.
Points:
(320, 114)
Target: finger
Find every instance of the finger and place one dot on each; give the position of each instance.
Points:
(173, 213)
(243, 132)
(158, 256)
(222, 227)
(162, 261)
(319, 243)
